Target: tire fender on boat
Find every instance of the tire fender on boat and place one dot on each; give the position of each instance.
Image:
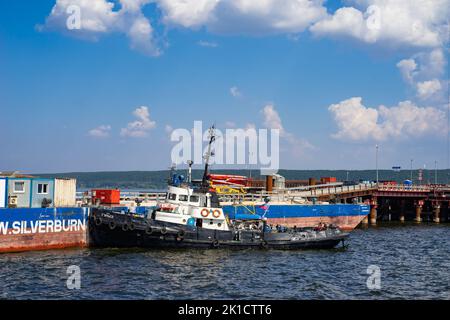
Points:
(264, 244)
(98, 221)
(181, 233)
(163, 230)
(215, 243)
(112, 225)
(149, 230)
(131, 226)
(125, 227)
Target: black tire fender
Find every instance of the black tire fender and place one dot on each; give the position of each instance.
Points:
(98, 221)
(264, 244)
(112, 225)
(149, 230)
(163, 230)
(215, 243)
(125, 227)
(181, 233)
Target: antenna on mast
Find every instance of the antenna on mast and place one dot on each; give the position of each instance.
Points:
(189, 177)
(208, 155)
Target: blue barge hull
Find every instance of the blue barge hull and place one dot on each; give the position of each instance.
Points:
(23, 229)
(345, 216)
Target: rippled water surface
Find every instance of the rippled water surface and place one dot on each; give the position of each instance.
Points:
(414, 262)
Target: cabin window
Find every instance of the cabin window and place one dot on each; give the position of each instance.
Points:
(172, 196)
(183, 197)
(193, 199)
(42, 188)
(19, 187)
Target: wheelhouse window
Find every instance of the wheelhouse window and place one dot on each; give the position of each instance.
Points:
(172, 196)
(183, 197)
(194, 199)
(42, 188)
(19, 187)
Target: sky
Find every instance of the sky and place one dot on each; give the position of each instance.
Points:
(99, 85)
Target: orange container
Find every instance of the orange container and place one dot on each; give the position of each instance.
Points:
(106, 196)
(328, 179)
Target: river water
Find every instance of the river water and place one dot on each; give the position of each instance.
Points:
(414, 263)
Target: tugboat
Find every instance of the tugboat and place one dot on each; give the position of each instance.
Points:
(191, 217)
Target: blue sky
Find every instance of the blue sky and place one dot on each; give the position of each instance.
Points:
(57, 87)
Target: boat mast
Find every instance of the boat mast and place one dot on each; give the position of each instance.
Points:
(208, 154)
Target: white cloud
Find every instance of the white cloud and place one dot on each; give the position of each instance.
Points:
(100, 132)
(416, 23)
(140, 127)
(168, 128)
(207, 44)
(234, 91)
(422, 72)
(243, 16)
(421, 23)
(358, 123)
(428, 88)
(98, 17)
(407, 67)
(230, 124)
(272, 120)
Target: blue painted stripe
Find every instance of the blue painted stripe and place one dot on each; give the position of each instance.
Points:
(33, 214)
(301, 211)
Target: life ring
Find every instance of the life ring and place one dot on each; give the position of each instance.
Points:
(216, 213)
(112, 225)
(204, 213)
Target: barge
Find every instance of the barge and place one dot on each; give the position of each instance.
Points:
(40, 214)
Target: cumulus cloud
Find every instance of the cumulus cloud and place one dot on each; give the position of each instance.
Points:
(428, 88)
(421, 23)
(272, 120)
(422, 72)
(234, 91)
(407, 68)
(243, 16)
(357, 122)
(140, 127)
(99, 17)
(416, 23)
(100, 132)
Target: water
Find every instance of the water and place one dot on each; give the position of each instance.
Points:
(414, 262)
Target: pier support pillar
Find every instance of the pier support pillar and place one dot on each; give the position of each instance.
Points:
(437, 212)
(365, 221)
(402, 211)
(373, 211)
(419, 206)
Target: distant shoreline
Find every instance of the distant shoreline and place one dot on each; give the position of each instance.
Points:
(157, 180)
